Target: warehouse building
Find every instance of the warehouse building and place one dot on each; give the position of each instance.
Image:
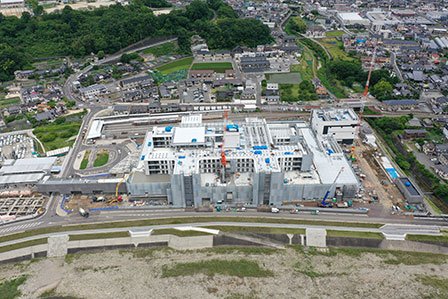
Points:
(352, 19)
(263, 163)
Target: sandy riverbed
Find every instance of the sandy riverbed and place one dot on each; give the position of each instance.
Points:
(138, 274)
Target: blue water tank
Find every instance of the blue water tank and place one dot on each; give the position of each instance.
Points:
(407, 184)
(142, 158)
(257, 152)
(149, 143)
(168, 128)
(194, 140)
(267, 160)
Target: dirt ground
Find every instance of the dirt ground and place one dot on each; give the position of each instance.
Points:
(387, 194)
(85, 201)
(138, 274)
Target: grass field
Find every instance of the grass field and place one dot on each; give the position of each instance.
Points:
(288, 91)
(4, 103)
(334, 33)
(23, 245)
(170, 48)
(98, 236)
(335, 47)
(307, 65)
(426, 238)
(102, 157)
(390, 257)
(56, 135)
(353, 234)
(85, 160)
(176, 65)
(219, 67)
(284, 78)
(9, 289)
(238, 268)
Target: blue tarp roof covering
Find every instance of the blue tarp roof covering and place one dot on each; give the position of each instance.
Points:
(260, 147)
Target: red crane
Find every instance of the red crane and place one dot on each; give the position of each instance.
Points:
(366, 92)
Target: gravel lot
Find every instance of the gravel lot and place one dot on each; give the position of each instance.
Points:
(138, 274)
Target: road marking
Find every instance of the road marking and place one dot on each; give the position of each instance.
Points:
(20, 227)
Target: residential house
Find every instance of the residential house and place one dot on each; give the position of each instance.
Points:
(414, 133)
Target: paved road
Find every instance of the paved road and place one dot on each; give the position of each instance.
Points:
(71, 156)
(393, 61)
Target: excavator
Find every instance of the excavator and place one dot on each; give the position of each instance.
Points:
(118, 198)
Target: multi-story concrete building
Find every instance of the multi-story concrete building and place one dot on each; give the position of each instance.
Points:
(341, 124)
(265, 163)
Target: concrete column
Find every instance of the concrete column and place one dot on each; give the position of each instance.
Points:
(57, 245)
(290, 236)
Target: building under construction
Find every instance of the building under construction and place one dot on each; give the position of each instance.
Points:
(251, 162)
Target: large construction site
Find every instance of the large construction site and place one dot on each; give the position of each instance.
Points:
(250, 162)
(247, 162)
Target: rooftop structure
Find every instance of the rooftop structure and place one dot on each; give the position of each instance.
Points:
(338, 123)
(265, 163)
(351, 18)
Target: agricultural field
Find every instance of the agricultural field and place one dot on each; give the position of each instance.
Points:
(335, 47)
(175, 66)
(219, 67)
(230, 272)
(4, 103)
(284, 78)
(170, 48)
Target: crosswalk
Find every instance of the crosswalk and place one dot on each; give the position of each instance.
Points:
(20, 227)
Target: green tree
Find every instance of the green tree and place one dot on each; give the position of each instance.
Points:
(382, 90)
(348, 72)
(100, 54)
(296, 25)
(378, 75)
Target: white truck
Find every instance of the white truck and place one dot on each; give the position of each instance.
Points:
(84, 213)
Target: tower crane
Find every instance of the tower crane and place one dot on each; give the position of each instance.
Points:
(324, 200)
(364, 99)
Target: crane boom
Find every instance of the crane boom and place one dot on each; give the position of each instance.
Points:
(324, 203)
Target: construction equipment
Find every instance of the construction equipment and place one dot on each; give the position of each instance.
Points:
(364, 100)
(120, 198)
(324, 200)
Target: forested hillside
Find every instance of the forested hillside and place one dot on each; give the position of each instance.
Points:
(109, 29)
